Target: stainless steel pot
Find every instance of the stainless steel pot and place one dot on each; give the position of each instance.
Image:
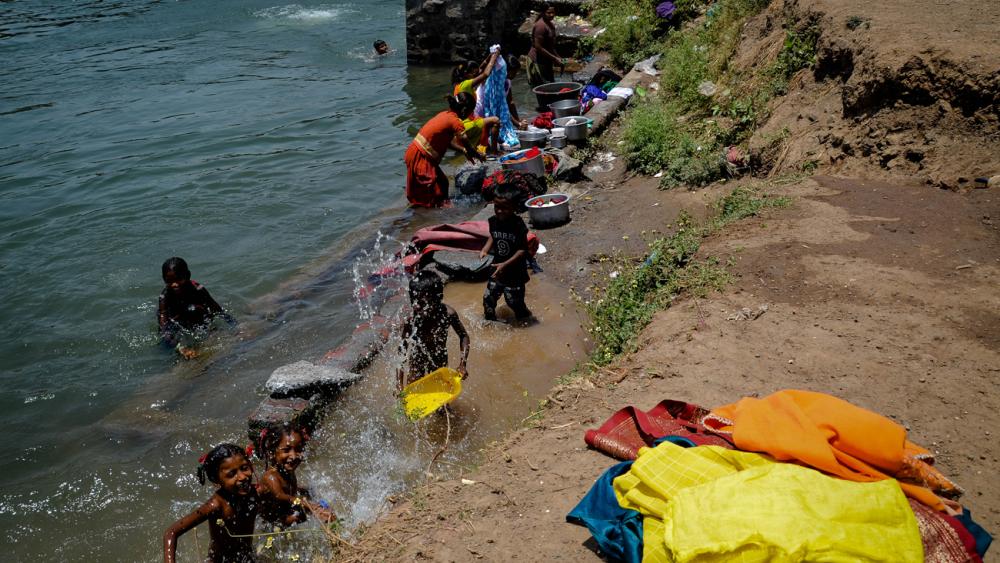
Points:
(578, 130)
(557, 142)
(530, 139)
(565, 108)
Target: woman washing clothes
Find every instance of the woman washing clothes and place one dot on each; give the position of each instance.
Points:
(469, 78)
(426, 183)
(543, 57)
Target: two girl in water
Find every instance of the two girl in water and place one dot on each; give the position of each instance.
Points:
(232, 510)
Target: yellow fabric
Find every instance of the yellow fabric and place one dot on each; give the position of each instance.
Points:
(465, 86)
(473, 129)
(709, 504)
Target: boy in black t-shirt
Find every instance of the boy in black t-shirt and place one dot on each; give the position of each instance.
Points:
(508, 243)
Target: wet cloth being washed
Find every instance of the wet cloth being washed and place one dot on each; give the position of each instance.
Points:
(712, 504)
(834, 436)
(494, 102)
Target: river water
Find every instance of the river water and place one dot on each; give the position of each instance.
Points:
(263, 143)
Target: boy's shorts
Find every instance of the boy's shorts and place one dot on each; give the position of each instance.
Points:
(512, 294)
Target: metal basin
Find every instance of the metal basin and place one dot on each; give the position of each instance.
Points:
(530, 139)
(577, 131)
(548, 93)
(565, 108)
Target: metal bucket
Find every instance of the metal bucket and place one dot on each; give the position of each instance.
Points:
(557, 142)
(530, 139)
(576, 132)
(535, 165)
(551, 215)
(548, 93)
(565, 108)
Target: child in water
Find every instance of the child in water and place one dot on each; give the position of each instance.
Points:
(425, 334)
(230, 512)
(185, 306)
(508, 243)
(381, 47)
(282, 501)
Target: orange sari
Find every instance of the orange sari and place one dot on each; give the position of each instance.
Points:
(426, 183)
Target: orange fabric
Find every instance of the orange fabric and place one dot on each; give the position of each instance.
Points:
(426, 183)
(440, 130)
(825, 433)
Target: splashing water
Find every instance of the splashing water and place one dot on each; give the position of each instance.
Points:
(295, 12)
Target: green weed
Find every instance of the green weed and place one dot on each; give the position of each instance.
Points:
(627, 302)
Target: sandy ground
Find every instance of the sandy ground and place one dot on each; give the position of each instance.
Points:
(882, 294)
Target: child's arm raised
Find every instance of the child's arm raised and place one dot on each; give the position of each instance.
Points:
(463, 339)
(178, 528)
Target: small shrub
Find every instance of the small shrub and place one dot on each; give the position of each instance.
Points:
(655, 141)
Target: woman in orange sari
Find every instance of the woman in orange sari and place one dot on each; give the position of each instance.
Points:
(426, 183)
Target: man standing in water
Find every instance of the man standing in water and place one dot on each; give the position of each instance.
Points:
(542, 56)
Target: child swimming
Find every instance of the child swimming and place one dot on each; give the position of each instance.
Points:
(425, 334)
(508, 243)
(381, 47)
(185, 306)
(282, 501)
(231, 511)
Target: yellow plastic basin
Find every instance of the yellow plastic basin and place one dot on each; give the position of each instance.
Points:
(431, 392)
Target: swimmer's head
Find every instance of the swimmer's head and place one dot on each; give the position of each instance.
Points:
(227, 466)
(381, 47)
(282, 446)
(176, 273)
(426, 289)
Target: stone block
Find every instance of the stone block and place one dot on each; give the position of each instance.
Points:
(274, 412)
(304, 379)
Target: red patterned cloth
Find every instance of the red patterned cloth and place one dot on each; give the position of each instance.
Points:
(945, 539)
(629, 429)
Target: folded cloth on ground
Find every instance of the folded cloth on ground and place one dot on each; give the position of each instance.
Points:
(617, 530)
(834, 436)
(712, 504)
(621, 92)
(629, 429)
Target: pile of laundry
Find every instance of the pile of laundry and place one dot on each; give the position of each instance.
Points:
(794, 476)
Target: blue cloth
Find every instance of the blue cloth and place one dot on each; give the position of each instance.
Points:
(982, 537)
(678, 440)
(591, 92)
(494, 98)
(618, 531)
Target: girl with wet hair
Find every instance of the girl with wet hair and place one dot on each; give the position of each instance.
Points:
(426, 183)
(282, 501)
(230, 512)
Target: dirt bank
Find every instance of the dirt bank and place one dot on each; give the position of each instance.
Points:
(902, 89)
(878, 293)
(880, 288)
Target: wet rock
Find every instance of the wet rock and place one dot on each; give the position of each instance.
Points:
(273, 412)
(304, 379)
